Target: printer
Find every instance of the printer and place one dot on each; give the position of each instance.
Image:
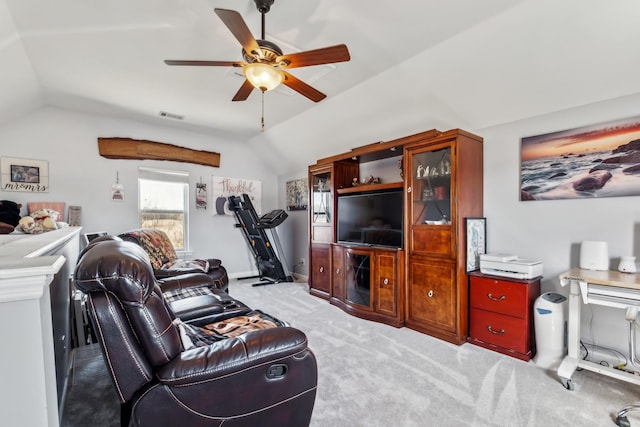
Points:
(510, 266)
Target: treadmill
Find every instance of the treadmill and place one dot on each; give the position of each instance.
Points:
(270, 269)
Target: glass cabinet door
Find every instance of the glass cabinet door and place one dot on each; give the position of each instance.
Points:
(322, 202)
(431, 187)
(358, 277)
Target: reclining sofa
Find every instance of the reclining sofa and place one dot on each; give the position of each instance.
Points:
(256, 376)
(165, 261)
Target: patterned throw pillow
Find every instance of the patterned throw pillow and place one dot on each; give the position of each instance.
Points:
(157, 244)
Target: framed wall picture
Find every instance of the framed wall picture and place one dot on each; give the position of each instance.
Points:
(297, 195)
(588, 162)
(75, 215)
(476, 234)
(201, 195)
(223, 187)
(26, 175)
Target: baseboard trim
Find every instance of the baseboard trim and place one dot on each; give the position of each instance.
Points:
(300, 277)
(244, 274)
(254, 275)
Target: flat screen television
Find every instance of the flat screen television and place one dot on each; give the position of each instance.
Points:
(372, 219)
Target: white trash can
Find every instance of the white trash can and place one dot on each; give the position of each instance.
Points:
(550, 329)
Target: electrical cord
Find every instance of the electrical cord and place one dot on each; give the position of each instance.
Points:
(586, 351)
(610, 351)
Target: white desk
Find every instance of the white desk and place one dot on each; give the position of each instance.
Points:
(609, 288)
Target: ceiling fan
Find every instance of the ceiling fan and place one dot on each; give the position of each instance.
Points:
(264, 64)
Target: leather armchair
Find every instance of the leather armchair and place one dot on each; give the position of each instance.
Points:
(191, 296)
(265, 377)
(165, 261)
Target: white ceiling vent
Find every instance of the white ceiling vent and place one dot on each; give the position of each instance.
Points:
(171, 115)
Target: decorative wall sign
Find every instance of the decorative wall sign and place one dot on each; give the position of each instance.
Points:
(476, 234)
(117, 190)
(75, 215)
(297, 195)
(201, 195)
(223, 187)
(589, 162)
(31, 176)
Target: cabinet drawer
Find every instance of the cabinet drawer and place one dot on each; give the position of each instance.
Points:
(431, 240)
(498, 329)
(503, 297)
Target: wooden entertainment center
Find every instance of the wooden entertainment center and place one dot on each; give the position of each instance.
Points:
(421, 282)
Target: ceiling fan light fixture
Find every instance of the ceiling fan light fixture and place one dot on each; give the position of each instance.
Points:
(263, 76)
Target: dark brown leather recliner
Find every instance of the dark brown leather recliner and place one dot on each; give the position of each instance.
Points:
(265, 377)
(165, 261)
(193, 297)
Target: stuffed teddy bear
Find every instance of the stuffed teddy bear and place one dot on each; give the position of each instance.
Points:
(40, 221)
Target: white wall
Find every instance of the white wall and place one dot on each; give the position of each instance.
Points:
(552, 230)
(80, 176)
(549, 231)
(294, 232)
(546, 230)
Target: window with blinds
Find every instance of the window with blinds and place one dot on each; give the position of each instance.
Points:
(163, 203)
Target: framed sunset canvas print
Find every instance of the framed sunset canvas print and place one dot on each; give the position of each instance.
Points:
(588, 162)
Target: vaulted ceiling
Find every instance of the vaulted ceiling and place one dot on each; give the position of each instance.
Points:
(414, 65)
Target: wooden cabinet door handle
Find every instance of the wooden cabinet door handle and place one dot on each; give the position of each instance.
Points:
(321, 269)
(490, 329)
(337, 271)
(492, 298)
(430, 294)
(385, 281)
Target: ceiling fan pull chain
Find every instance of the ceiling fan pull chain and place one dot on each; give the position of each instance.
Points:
(262, 118)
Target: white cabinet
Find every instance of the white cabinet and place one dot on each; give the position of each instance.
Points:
(31, 266)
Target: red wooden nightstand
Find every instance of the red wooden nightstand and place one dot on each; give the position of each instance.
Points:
(501, 314)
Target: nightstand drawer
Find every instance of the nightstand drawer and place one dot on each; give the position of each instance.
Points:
(504, 331)
(500, 296)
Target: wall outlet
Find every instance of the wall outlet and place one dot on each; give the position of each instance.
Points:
(302, 261)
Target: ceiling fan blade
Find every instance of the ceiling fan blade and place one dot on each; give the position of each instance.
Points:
(327, 55)
(244, 91)
(204, 63)
(233, 20)
(302, 88)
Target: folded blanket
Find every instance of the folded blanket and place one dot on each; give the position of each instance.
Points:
(186, 265)
(194, 336)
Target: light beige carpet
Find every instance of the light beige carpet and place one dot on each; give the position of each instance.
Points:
(376, 375)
